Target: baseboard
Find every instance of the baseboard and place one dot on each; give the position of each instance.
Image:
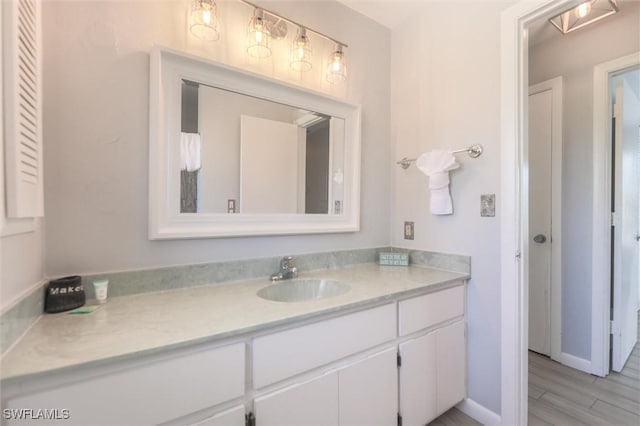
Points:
(479, 412)
(575, 362)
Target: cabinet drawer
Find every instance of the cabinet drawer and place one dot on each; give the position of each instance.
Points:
(424, 311)
(151, 394)
(285, 354)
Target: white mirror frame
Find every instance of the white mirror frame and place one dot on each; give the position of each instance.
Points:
(167, 69)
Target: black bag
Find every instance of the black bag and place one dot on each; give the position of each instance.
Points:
(64, 294)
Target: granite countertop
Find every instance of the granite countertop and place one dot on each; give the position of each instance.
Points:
(144, 323)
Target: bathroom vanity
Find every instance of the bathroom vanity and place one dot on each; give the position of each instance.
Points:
(391, 349)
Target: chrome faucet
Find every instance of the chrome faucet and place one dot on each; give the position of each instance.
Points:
(287, 271)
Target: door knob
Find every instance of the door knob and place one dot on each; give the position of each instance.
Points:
(540, 238)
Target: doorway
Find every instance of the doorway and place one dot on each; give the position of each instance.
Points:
(515, 238)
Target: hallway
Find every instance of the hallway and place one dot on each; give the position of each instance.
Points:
(559, 395)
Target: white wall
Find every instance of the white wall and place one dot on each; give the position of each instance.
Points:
(96, 127)
(573, 56)
(445, 93)
(21, 265)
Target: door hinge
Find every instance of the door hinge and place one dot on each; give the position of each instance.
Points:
(613, 328)
(399, 359)
(249, 419)
(614, 219)
(399, 420)
(518, 256)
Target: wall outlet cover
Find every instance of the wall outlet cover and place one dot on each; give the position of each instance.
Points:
(488, 205)
(408, 230)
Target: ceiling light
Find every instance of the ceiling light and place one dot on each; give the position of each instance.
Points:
(584, 14)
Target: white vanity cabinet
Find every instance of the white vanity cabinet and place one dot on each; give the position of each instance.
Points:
(143, 392)
(362, 393)
(365, 366)
(433, 371)
(368, 390)
(282, 355)
(313, 402)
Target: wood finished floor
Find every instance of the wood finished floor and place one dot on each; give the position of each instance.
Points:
(559, 396)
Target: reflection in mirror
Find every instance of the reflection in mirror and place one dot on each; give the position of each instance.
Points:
(242, 154)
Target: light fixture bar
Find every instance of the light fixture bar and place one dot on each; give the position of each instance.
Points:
(292, 22)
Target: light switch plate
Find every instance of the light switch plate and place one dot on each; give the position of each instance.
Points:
(488, 205)
(408, 230)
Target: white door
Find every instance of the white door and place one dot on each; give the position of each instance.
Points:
(451, 362)
(368, 391)
(268, 166)
(418, 380)
(626, 226)
(310, 403)
(540, 179)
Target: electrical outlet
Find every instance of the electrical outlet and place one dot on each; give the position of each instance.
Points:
(408, 230)
(488, 205)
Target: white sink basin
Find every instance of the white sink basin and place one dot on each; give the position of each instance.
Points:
(303, 290)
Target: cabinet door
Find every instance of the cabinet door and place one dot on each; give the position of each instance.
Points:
(310, 403)
(451, 365)
(368, 391)
(231, 417)
(418, 380)
(148, 394)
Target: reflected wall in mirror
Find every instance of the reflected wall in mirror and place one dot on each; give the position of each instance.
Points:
(232, 153)
(257, 156)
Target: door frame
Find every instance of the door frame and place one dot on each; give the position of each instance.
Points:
(514, 234)
(602, 169)
(556, 87)
(514, 188)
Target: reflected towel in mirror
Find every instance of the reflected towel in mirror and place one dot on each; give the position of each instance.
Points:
(189, 151)
(436, 164)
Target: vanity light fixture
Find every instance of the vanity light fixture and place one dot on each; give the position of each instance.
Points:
(264, 27)
(258, 36)
(584, 14)
(337, 69)
(301, 53)
(203, 20)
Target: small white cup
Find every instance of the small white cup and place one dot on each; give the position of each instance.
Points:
(101, 287)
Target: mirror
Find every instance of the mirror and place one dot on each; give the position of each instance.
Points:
(244, 154)
(232, 153)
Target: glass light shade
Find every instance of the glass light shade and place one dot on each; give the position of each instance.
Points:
(584, 14)
(583, 9)
(203, 20)
(258, 37)
(301, 55)
(337, 69)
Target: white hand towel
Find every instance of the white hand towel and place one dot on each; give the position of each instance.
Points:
(436, 164)
(190, 151)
